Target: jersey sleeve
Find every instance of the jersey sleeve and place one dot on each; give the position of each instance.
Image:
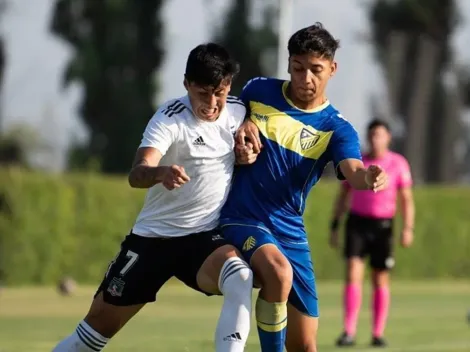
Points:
(251, 87)
(161, 132)
(345, 145)
(237, 111)
(404, 178)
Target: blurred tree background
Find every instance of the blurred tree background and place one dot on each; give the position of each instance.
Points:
(118, 47)
(413, 44)
(255, 47)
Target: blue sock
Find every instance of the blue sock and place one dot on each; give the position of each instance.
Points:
(271, 319)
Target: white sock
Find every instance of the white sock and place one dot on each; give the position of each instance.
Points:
(84, 339)
(233, 327)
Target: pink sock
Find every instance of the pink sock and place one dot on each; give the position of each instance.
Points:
(380, 307)
(352, 305)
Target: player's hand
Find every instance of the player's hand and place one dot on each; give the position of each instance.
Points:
(248, 130)
(174, 177)
(406, 238)
(376, 178)
(245, 154)
(334, 239)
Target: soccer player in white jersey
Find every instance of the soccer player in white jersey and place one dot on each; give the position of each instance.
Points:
(186, 161)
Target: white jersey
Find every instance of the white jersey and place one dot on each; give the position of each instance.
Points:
(206, 151)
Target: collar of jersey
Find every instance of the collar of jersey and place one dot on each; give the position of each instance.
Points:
(291, 103)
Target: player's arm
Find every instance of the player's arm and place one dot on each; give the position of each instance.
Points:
(341, 205)
(405, 196)
(146, 171)
(374, 178)
(407, 205)
(248, 132)
(346, 154)
(340, 208)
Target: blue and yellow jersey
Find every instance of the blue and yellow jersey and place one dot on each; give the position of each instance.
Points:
(298, 144)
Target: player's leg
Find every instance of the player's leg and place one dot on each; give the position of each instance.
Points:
(302, 309)
(354, 251)
(301, 331)
(274, 273)
(214, 267)
(381, 261)
(130, 282)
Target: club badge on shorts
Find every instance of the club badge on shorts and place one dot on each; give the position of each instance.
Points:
(116, 286)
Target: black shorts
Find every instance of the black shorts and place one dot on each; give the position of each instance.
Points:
(370, 237)
(144, 264)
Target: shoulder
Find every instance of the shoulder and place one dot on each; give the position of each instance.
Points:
(261, 84)
(172, 108)
(399, 159)
(236, 108)
(339, 124)
(168, 115)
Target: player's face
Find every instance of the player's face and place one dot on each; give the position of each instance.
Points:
(379, 139)
(208, 101)
(309, 75)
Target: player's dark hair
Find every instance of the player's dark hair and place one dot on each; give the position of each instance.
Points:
(314, 39)
(378, 123)
(209, 65)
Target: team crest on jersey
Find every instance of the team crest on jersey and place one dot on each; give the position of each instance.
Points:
(116, 286)
(250, 243)
(308, 139)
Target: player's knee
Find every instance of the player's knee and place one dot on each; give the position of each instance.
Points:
(355, 270)
(236, 278)
(380, 278)
(274, 271)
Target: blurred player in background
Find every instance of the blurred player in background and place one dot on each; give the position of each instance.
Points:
(369, 232)
(186, 161)
(301, 132)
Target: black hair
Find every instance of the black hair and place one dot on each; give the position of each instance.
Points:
(209, 65)
(314, 39)
(378, 123)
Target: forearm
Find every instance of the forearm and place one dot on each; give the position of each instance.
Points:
(357, 179)
(341, 204)
(408, 213)
(145, 176)
(339, 209)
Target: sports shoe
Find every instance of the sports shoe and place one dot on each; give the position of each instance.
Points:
(378, 342)
(345, 340)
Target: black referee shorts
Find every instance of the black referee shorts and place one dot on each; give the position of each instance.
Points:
(372, 237)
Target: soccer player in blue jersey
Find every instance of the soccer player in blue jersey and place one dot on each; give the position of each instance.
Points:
(301, 132)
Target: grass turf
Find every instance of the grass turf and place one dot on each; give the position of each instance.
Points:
(425, 316)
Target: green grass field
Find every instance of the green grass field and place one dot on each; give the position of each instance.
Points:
(425, 316)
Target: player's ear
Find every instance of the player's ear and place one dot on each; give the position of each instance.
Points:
(334, 68)
(186, 84)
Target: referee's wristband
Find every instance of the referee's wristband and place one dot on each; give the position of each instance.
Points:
(334, 225)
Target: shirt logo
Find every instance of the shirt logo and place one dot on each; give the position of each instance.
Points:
(260, 117)
(250, 243)
(308, 139)
(199, 141)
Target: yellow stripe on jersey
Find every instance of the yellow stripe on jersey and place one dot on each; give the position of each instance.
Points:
(289, 132)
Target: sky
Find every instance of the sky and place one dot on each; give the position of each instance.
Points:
(33, 93)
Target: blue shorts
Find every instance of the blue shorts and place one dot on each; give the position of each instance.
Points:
(248, 238)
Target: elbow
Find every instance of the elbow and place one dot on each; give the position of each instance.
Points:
(132, 180)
